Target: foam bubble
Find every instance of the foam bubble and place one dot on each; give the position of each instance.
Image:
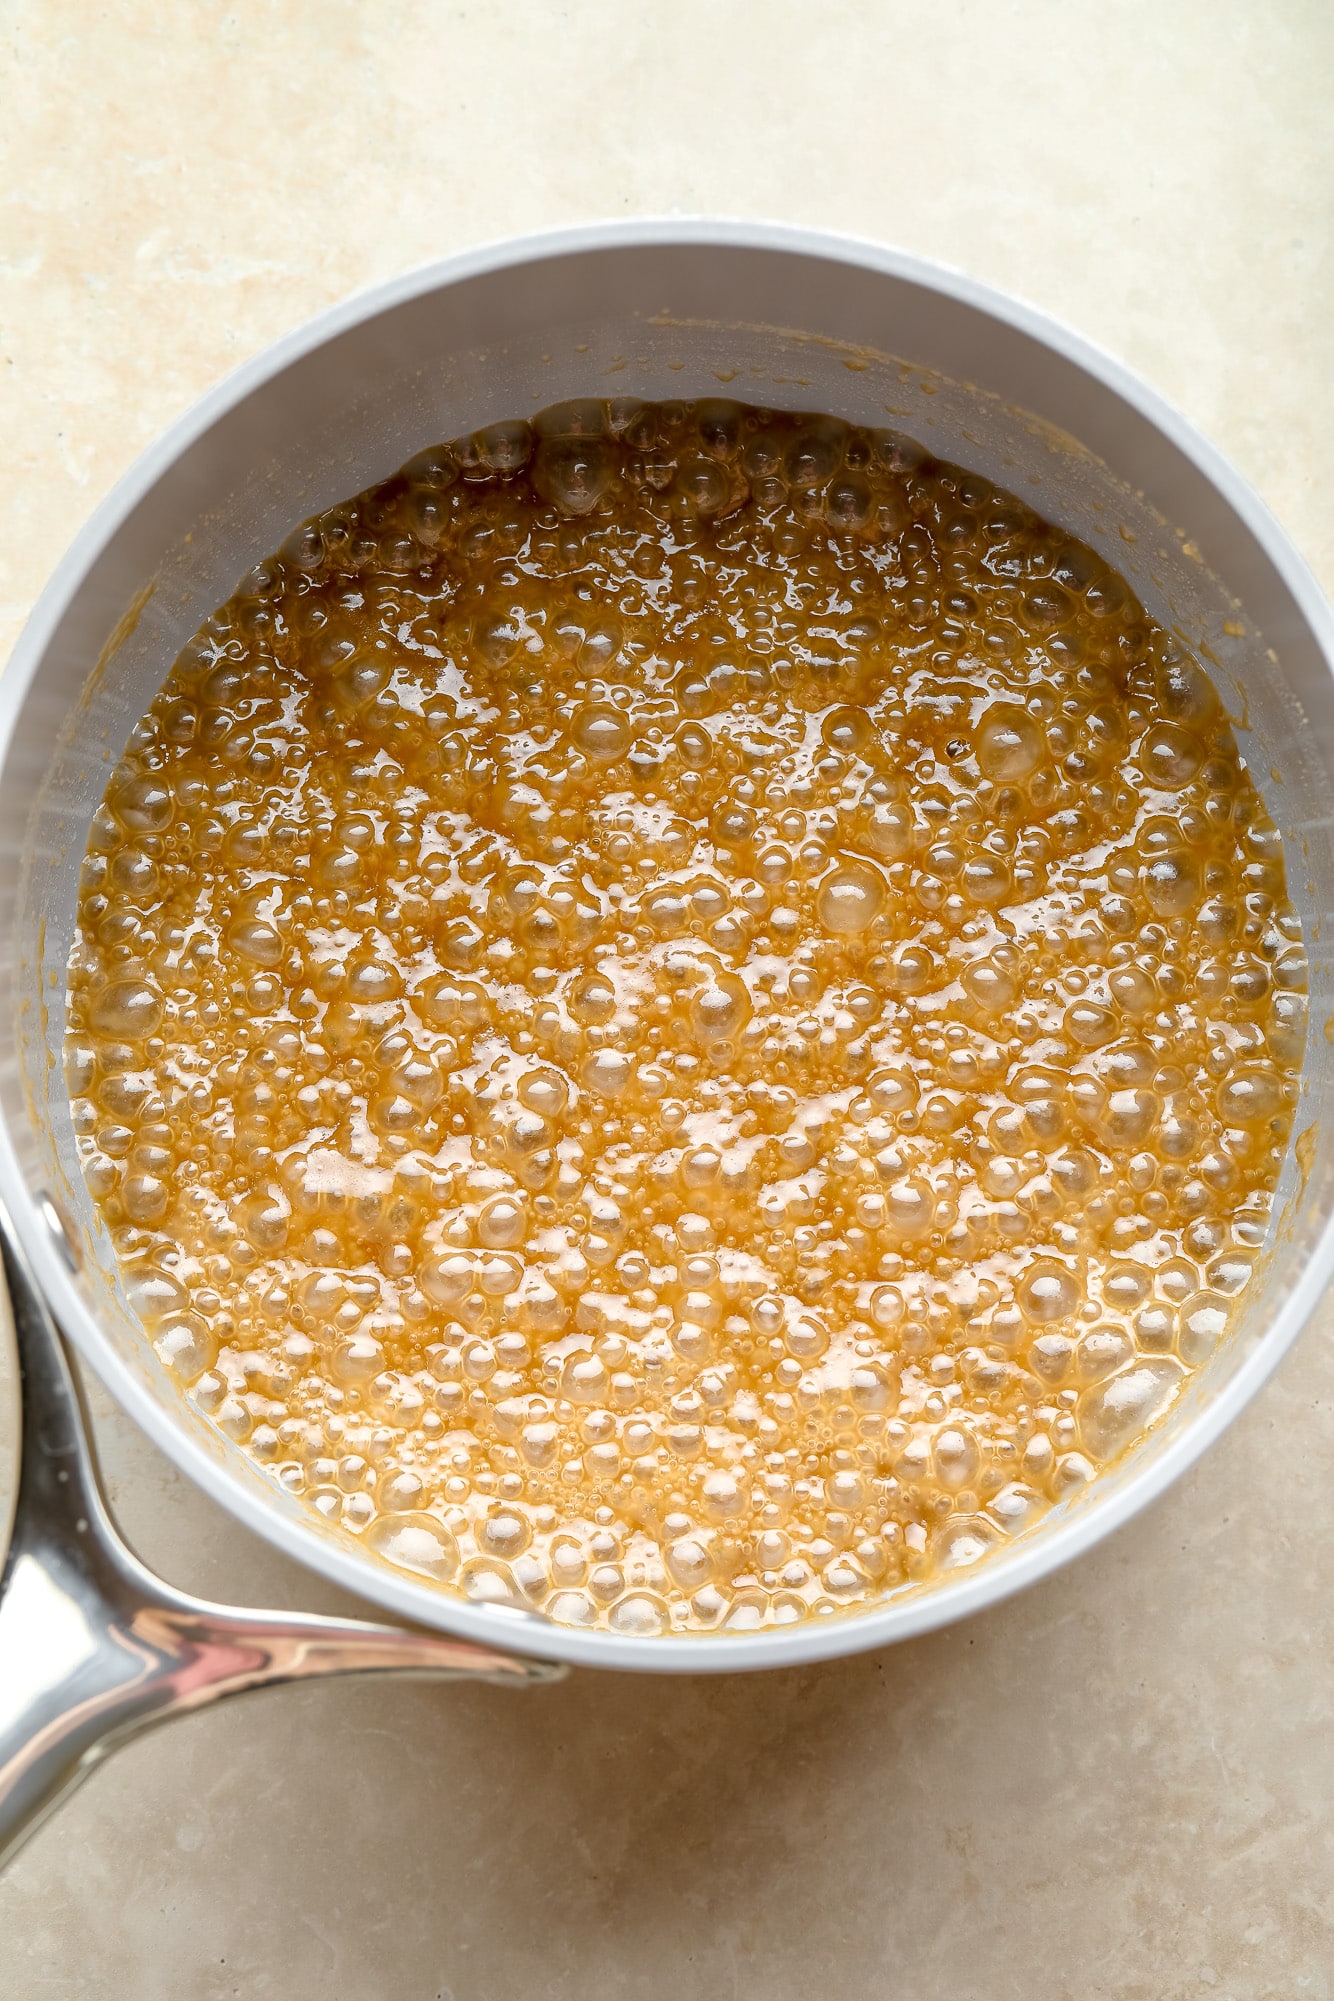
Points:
(851, 898)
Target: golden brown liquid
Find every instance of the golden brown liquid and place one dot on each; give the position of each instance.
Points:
(684, 1017)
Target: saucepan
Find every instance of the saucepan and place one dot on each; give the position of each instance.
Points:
(92, 1647)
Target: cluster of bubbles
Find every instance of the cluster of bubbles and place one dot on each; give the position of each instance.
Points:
(684, 1016)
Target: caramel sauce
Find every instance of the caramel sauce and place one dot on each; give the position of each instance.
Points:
(684, 1016)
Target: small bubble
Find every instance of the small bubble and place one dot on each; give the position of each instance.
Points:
(1008, 744)
(502, 1223)
(141, 802)
(1113, 1413)
(964, 1541)
(1047, 1293)
(131, 1008)
(505, 1535)
(850, 898)
(805, 1337)
(416, 1542)
(573, 473)
(572, 1608)
(640, 1614)
(488, 1582)
(987, 880)
(186, 1346)
(848, 730)
(1184, 691)
(155, 1295)
(1172, 885)
(911, 1206)
(1171, 756)
(608, 1072)
(253, 939)
(722, 1008)
(505, 447)
(545, 1092)
(849, 503)
(815, 454)
(602, 732)
(359, 680)
(584, 1379)
(1250, 1096)
(702, 486)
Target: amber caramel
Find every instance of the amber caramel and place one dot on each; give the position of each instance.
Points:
(684, 1016)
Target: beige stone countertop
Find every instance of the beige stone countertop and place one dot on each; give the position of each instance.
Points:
(1114, 1788)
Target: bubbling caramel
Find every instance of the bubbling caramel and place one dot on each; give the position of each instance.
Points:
(684, 1016)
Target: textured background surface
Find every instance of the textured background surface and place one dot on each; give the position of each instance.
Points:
(1116, 1788)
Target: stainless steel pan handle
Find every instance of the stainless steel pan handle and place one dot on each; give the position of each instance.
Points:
(95, 1648)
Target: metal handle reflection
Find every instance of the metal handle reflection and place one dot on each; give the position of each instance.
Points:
(95, 1648)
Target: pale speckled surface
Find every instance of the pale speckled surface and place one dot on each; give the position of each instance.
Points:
(1118, 1787)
